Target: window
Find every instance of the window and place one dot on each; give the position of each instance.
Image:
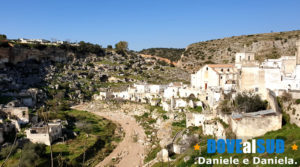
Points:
(256, 89)
(248, 58)
(222, 69)
(206, 68)
(206, 98)
(228, 70)
(221, 77)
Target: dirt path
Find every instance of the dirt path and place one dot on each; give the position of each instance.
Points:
(130, 151)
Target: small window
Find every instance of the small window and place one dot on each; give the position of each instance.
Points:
(256, 89)
(228, 70)
(222, 69)
(206, 68)
(248, 58)
(206, 98)
(221, 77)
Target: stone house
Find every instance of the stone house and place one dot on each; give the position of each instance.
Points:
(198, 119)
(172, 91)
(39, 133)
(103, 96)
(21, 113)
(214, 128)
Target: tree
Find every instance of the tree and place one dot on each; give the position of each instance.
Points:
(109, 47)
(32, 153)
(249, 102)
(121, 47)
(2, 37)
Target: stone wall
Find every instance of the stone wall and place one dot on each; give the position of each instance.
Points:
(272, 101)
(38, 138)
(224, 117)
(294, 114)
(294, 93)
(250, 127)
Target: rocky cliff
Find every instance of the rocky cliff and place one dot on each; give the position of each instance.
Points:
(268, 45)
(75, 75)
(18, 54)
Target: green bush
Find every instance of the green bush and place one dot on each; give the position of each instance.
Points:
(3, 37)
(121, 47)
(249, 102)
(297, 101)
(5, 151)
(172, 54)
(197, 109)
(31, 154)
(180, 123)
(152, 154)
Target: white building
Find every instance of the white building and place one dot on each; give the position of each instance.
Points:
(39, 134)
(213, 75)
(172, 91)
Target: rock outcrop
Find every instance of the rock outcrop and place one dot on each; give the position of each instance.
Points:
(269, 45)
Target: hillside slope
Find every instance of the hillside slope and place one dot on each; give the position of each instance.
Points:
(268, 45)
(173, 54)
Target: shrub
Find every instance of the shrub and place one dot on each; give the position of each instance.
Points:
(249, 102)
(32, 153)
(297, 101)
(180, 123)
(225, 107)
(165, 117)
(121, 47)
(5, 151)
(39, 46)
(2, 37)
(286, 97)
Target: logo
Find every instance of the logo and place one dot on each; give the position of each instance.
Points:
(237, 146)
(260, 146)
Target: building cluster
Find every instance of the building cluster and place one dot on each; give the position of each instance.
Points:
(42, 41)
(15, 115)
(212, 82)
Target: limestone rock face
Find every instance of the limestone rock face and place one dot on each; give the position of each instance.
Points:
(294, 113)
(163, 155)
(267, 45)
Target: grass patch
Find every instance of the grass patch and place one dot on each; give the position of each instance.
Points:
(178, 126)
(106, 62)
(152, 154)
(196, 109)
(95, 137)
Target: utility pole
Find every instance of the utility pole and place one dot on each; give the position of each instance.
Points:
(47, 125)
